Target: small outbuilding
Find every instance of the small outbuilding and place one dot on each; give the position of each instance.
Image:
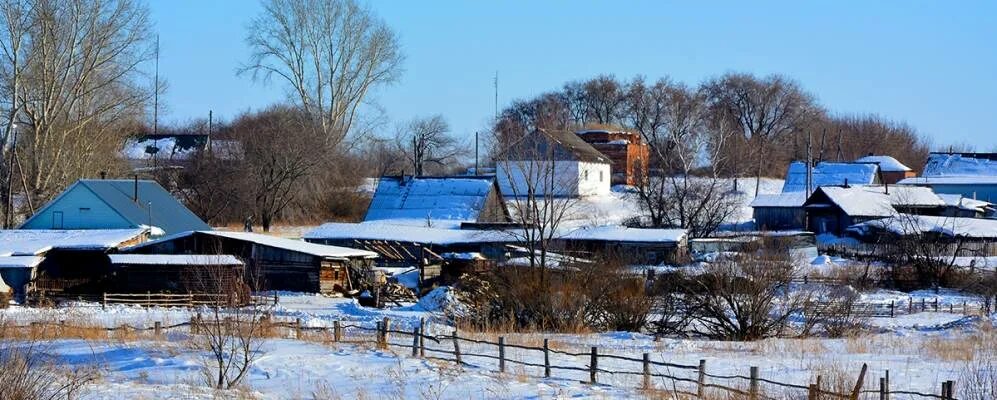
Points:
(891, 170)
(450, 199)
(779, 211)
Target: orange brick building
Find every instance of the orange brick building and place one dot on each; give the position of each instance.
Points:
(627, 151)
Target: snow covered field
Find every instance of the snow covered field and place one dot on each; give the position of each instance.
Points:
(919, 350)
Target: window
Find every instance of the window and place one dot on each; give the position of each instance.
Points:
(84, 209)
(586, 175)
(600, 176)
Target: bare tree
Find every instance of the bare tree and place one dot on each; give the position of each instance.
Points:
(604, 98)
(426, 142)
(329, 53)
(16, 22)
(762, 109)
(686, 192)
(281, 147)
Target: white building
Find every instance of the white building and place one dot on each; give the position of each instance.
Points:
(553, 162)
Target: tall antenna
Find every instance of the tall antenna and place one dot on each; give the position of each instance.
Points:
(495, 82)
(155, 98)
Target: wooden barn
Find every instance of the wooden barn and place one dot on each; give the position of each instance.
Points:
(61, 262)
(780, 211)
(636, 246)
(176, 273)
(272, 263)
(627, 151)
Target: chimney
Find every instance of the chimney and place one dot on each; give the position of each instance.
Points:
(135, 190)
(846, 182)
(103, 175)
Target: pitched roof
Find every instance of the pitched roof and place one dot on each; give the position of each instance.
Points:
(459, 198)
(569, 146)
(906, 224)
(318, 250)
(873, 201)
(960, 165)
(174, 259)
(886, 163)
(829, 174)
(406, 233)
(31, 242)
(791, 199)
(155, 207)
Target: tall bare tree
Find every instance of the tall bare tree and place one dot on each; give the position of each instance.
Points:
(329, 54)
(73, 74)
(16, 21)
(763, 108)
(427, 142)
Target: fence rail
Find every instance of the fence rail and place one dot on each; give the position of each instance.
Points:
(447, 347)
(181, 299)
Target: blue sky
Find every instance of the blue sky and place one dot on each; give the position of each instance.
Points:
(931, 64)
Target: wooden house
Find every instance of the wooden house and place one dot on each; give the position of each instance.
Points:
(272, 263)
(891, 170)
(557, 163)
(445, 200)
(832, 209)
(627, 151)
(116, 204)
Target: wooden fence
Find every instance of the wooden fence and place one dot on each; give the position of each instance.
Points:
(695, 379)
(149, 299)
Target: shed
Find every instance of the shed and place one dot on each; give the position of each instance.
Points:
(116, 204)
(450, 198)
(557, 163)
(779, 211)
(176, 273)
(272, 262)
(636, 246)
(891, 170)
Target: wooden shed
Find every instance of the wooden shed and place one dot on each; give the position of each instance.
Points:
(272, 263)
(176, 273)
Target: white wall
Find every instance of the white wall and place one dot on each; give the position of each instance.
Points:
(569, 178)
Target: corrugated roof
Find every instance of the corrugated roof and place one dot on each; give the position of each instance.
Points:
(459, 198)
(829, 174)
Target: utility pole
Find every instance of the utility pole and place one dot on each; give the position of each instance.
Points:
(496, 95)
(209, 131)
(155, 95)
(809, 162)
(475, 153)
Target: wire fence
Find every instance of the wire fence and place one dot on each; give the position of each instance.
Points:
(545, 361)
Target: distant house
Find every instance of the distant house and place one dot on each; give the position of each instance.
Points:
(891, 171)
(116, 204)
(166, 151)
(832, 209)
(973, 175)
(451, 199)
(779, 211)
(627, 151)
(558, 163)
(61, 261)
(828, 173)
(279, 263)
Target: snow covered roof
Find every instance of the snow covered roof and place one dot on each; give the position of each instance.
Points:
(31, 242)
(154, 206)
(873, 201)
(965, 203)
(829, 174)
(318, 250)
(617, 233)
(406, 233)
(173, 259)
(420, 198)
(960, 164)
(20, 261)
(791, 199)
(950, 180)
(886, 163)
(906, 224)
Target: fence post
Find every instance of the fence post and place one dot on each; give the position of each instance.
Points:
(886, 382)
(936, 304)
(385, 326)
(647, 371)
(858, 384)
(812, 392)
(910, 305)
(275, 298)
(148, 298)
(945, 390)
(701, 379)
(103, 303)
(891, 309)
(593, 365)
(337, 333)
(951, 392)
(297, 328)
(546, 359)
(882, 389)
(951, 308)
(456, 347)
(422, 337)
(193, 326)
(923, 307)
(501, 346)
(753, 385)
(415, 342)
(157, 328)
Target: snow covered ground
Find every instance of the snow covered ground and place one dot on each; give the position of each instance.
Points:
(919, 350)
